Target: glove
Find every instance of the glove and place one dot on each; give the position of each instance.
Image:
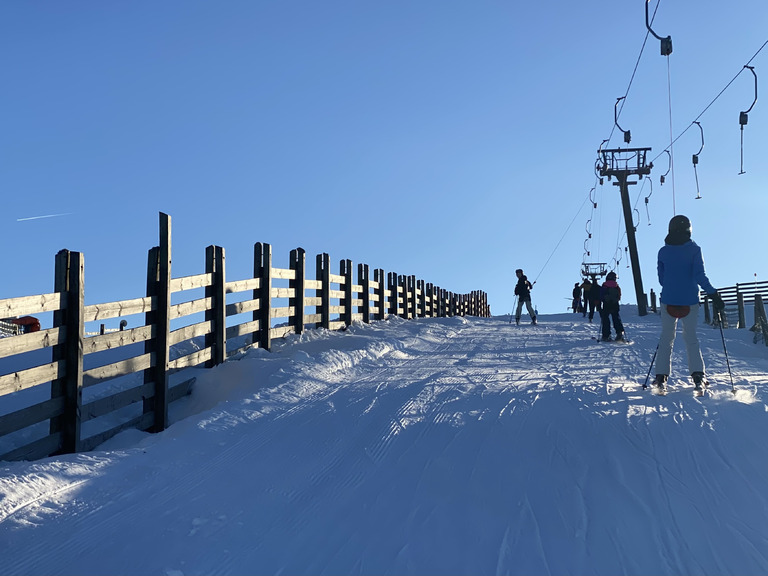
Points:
(717, 301)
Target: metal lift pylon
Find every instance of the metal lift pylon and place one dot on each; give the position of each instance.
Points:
(621, 164)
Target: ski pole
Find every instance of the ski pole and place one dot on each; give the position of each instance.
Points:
(725, 350)
(514, 307)
(645, 384)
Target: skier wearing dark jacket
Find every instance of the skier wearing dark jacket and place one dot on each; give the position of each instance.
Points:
(594, 299)
(610, 294)
(681, 271)
(523, 293)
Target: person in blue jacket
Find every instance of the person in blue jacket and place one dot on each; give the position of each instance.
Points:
(681, 271)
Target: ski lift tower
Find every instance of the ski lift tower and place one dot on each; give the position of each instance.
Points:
(623, 164)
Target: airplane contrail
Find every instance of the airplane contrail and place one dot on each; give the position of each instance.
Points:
(46, 216)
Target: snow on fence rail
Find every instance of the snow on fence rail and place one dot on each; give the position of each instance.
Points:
(149, 354)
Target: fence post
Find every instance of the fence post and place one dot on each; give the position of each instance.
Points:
(69, 278)
(323, 275)
(162, 325)
(402, 282)
(429, 300)
(392, 286)
(761, 322)
(217, 314)
(363, 276)
(707, 315)
(345, 269)
(381, 309)
(299, 265)
(262, 268)
(740, 303)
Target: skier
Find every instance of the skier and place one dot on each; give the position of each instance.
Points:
(585, 287)
(610, 295)
(680, 268)
(576, 303)
(523, 292)
(594, 299)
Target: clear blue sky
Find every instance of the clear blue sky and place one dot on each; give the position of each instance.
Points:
(451, 140)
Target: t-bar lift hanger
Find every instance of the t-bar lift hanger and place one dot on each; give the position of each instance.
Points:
(744, 117)
(627, 135)
(696, 160)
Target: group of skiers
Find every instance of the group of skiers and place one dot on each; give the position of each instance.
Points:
(603, 299)
(680, 268)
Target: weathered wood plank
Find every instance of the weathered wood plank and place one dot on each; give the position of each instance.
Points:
(33, 341)
(313, 301)
(31, 377)
(20, 419)
(244, 328)
(336, 325)
(191, 359)
(35, 450)
(339, 294)
(95, 312)
(336, 278)
(312, 318)
(283, 273)
(189, 332)
(242, 285)
(122, 368)
(191, 282)
(283, 292)
(118, 400)
(310, 284)
(283, 312)
(336, 309)
(178, 391)
(191, 307)
(26, 305)
(117, 339)
(143, 422)
(243, 307)
(281, 331)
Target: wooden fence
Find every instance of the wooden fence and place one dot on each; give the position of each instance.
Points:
(328, 300)
(735, 298)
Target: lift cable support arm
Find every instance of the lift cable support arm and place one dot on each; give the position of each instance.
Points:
(666, 43)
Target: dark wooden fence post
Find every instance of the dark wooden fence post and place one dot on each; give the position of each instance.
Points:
(299, 265)
(740, 302)
(262, 269)
(381, 309)
(707, 316)
(392, 287)
(363, 276)
(323, 275)
(345, 269)
(69, 277)
(150, 319)
(162, 325)
(217, 314)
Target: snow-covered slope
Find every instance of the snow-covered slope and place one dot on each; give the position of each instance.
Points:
(433, 446)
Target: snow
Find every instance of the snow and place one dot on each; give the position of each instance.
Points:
(429, 446)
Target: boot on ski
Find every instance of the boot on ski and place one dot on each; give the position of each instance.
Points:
(699, 383)
(659, 384)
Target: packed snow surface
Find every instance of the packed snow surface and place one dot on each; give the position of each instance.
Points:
(429, 446)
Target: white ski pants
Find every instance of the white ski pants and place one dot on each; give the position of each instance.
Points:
(667, 341)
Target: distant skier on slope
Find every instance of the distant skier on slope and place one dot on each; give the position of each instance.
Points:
(576, 293)
(593, 298)
(610, 295)
(681, 271)
(523, 293)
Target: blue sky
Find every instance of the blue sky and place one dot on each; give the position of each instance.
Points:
(451, 140)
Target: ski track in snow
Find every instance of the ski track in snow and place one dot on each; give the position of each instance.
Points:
(461, 446)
